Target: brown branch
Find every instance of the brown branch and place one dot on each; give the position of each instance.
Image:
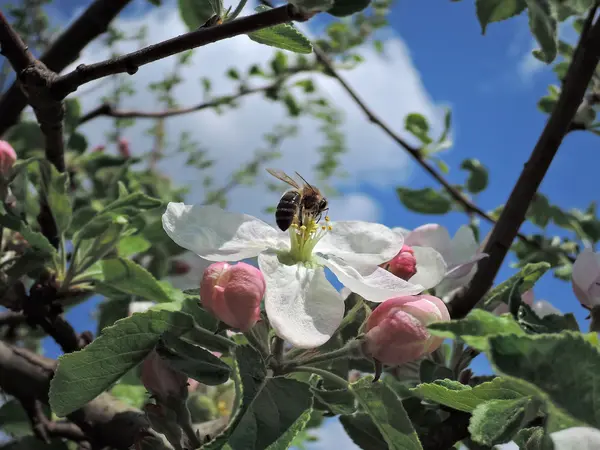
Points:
(93, 22)
(44, 428)
(584, 63)
(131, 62)
(104, 420)
(109, 111)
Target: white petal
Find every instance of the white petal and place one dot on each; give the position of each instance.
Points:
(576, 438)
(401, 231)
(462, 269)
(371, 282)
(430, 235)
(302, 306)
(363, 242)
(512, 445)
(586, 272)
(431, 267)
(217, 235)
(135, 307)
(464, 246)
(449, 284)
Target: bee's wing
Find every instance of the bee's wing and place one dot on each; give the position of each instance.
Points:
(307, 184)
(281, 175)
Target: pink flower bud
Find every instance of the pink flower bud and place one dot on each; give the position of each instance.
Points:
(396, 331)
(161, 380)
(179, 267)
(123, 147)
(404, 264)
(7, 158)
(233, 293)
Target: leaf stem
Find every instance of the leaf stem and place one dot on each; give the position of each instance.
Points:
(325, 374)
(344, 352)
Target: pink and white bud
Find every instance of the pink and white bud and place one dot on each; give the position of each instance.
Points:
(233, 293)
(586, 278)
(404, 264)
(8, 157)
(123, 148)
(162, 381)
(396, 331)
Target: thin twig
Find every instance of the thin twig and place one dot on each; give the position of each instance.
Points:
(131, 62)
(93, 22)
(584, 63)
(44, 428)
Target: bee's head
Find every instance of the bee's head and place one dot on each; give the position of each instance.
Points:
(323, 204)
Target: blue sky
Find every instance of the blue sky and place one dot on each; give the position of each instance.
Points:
(492, 87)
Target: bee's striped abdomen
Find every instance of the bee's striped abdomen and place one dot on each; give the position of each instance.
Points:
(287, 209)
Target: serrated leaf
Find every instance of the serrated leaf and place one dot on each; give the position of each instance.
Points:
(130, 245)
(126, 276)
(478, 175)
(496, 421)
(456, 395)
(530, 274)
(82, 376)
(55, 187)
(425, 201)
(477, 328)
(342, 8)
(385, 409)
(489, 11)
(194, 361)
(268, 409)
(35, 239)
(284, 36)
(363, 431)
(543, 26)
(339, 401)
(564, 366)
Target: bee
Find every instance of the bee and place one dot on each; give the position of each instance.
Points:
(299, 204)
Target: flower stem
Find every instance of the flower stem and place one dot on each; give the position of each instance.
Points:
(344, 352)
(205, 336)
(325, 374)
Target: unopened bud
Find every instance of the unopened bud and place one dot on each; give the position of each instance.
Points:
(396, 331)
(123, 147)
(404, 264)
(7, 158)
(162, 381)
(233, 293)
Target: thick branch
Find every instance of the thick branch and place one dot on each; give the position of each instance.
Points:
(131, 62)
(103, 420)
(579, 75)
(92, 23)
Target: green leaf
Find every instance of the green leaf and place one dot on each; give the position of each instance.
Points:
(476, 328)
(478, 175)
(72, 114)
(565, 366)
(497, 421)
(34, 443)
(456, 395)
(313, 5)
(126, 276)
(533, 439)
(284, 36)
(342, 8)
(385, 409)
(529, 274)
(35, 239)
(363, 431)
(425, 201)
(82, 376)
(195, 13)
(543, 25)
(489, 11)
(77, 142)
(134, 395)
(269, 407)
(194, 361)
(417, 125)
(131, 245)
(339, 401)
(14, 420)
(55, 186)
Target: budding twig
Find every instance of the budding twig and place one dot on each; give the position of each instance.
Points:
(584, 63)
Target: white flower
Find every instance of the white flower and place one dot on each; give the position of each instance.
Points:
(542, 308)
(586, 278)
(460, 253)
(576, 438)
(302, 306)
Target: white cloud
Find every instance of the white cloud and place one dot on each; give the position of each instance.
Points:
(390, 84)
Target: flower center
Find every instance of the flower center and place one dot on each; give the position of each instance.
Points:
(303, 239)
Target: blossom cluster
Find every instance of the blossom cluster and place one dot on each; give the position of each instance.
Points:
(381, 265)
